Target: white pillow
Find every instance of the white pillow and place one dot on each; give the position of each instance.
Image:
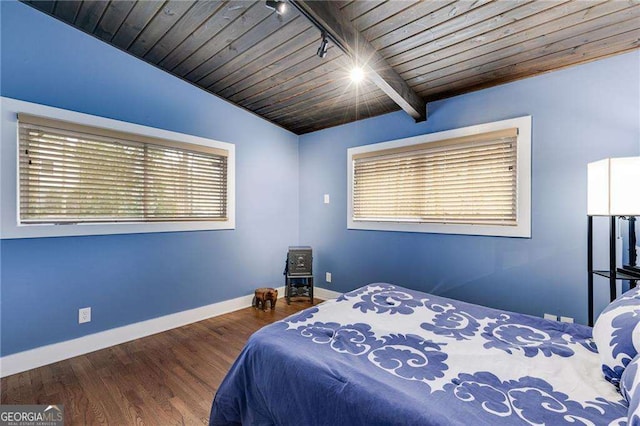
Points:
(630, 389)
(617, 334)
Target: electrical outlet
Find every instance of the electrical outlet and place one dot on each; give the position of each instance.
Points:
(326, 199)
(566, 319)
(328, 277)
(84, 315)
(551, 317)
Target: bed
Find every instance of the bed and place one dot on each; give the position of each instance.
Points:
(384, 354)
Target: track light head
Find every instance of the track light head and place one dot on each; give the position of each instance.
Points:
(279, 6)
(357, 74)
(324, 45)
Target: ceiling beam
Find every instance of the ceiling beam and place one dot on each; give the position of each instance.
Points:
(327, 17)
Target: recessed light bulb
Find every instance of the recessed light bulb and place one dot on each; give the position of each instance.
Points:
(357, 75)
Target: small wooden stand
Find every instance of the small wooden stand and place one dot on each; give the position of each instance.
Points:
(264, 295)
(298, 286)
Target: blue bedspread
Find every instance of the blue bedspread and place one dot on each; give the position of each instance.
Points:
(384, 355)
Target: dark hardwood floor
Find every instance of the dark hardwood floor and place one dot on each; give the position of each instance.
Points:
(165, 379)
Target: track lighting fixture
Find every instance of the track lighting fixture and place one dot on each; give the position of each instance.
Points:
(324, 45)
(279, 6)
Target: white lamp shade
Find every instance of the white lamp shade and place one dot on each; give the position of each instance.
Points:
(613, 187)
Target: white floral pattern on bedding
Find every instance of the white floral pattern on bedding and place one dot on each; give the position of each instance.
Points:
(507, 365)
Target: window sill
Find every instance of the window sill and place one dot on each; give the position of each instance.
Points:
(521, 231)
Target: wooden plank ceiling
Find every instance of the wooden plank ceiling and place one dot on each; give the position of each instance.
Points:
(267, 63)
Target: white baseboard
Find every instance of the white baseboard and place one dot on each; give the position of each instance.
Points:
(37, 357)
(323, 293)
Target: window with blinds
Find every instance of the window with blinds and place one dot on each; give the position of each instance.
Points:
(72, 173)
(474, 180)
(470, 180)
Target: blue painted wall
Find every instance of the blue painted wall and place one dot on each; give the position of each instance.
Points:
(580, 114)
(129, 278)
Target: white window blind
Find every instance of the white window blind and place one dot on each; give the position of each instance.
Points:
(72, 173)
(464, 180)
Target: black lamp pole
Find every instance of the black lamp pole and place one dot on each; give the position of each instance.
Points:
(633, 255)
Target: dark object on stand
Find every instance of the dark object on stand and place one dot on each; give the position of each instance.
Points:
(298, 272)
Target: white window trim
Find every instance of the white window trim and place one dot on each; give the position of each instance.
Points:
(9, 219)
(522, 229)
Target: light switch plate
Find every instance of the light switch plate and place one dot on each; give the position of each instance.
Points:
(328, 277)
(326, 199)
